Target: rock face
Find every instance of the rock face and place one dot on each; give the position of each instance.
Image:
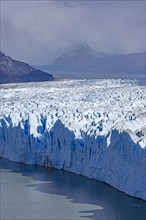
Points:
(79, 55)
(13, 71)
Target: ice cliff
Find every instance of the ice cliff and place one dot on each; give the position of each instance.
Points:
(94, 128)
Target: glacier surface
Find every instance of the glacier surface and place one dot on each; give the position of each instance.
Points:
(96, 128)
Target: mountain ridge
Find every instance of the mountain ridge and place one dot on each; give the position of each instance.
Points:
(78, 55)
(131, 65)
(14, 71)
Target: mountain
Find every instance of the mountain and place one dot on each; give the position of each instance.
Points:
(81, 54)
(13, 71)
(84, 63)
(127, 64)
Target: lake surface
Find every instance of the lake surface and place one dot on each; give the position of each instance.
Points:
(38, 193)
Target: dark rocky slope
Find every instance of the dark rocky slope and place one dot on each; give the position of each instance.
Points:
(13, 71)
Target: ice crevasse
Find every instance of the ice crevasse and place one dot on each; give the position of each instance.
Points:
(61, 126)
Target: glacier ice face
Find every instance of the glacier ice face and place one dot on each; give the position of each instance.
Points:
(94, 128)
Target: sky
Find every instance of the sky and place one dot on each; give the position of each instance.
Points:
(38, 31)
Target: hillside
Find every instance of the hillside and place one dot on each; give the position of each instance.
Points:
(13, 71)
(81, 54)
(84, 63)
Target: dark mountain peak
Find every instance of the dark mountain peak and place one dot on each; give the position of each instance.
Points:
(14, 71)
(82, 46)
(80, 54)
(80, 49)
(1, 54)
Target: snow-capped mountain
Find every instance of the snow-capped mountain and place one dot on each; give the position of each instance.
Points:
(13, 71)
(94, 128)
(81, 54)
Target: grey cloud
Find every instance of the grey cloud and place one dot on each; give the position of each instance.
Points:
(38, 31)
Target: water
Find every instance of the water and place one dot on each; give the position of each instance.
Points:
(76, 73)
(38, 193)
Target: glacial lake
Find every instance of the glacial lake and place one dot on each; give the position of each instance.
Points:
(37, 193)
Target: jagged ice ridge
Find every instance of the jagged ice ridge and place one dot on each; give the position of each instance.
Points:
(91, 127)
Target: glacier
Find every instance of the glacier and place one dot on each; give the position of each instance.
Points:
(96, 128)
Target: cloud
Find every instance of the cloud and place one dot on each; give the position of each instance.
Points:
(39, 31)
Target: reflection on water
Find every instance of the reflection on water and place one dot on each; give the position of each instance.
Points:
(32, 192)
